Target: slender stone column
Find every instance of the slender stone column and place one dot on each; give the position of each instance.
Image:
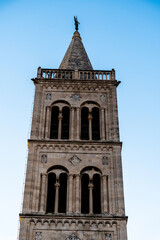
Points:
(107, 123)
(77, 193)
(78, 123)
(90, 197)
(72, 124)
(105, 197)
(102, 125)
(47, 122)
(57, 185)
(70, 193)
(90, 126)
(43, 192)
(60, 117)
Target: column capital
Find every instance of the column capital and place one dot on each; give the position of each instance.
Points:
(44, 174)
(104, 176)
(90, 117)
(70, 175)
(60, 117)
(90, 185)
(78, 175)
(57, 185)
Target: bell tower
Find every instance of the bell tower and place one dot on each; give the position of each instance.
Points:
(74, 185)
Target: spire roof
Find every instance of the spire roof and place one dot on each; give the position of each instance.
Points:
(76, 56)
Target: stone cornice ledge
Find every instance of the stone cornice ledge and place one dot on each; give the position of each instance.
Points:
(78, 142)
(75, 81)
(73, 216)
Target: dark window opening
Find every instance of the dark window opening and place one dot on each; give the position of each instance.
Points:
(62, 193)
(54, 123)
(96, 194)
(51, 192)
(85, 194)
(65, 123)
(95, 124)
(84, 124)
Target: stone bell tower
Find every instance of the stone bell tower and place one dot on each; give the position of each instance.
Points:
(74, 185)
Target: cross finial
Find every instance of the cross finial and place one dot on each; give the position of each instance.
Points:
(76, 23)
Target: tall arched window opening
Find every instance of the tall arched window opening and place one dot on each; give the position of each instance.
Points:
(91, 190)
(51, 192)
(65, 123)
(54, 122)
(85, 194)
(84, 124)
(57, 189)
(96, 194)
(62, 193)
(95, 124)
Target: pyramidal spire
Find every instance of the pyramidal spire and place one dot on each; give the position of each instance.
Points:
(76, 56)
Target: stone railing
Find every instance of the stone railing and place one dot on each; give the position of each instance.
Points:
(75, 74)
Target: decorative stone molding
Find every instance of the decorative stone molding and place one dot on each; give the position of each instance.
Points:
(72, 237)
(95, 223)
(76, 87)
(38, 235)
(76, 97)
(44, 158)
(48, 96)
(70, 147)
(105, 160)
(74, 160)
(108, 236)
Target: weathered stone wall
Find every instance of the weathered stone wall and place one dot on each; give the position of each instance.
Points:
(64, 228)
(74, 154)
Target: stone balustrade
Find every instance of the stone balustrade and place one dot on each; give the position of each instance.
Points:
(75, 74)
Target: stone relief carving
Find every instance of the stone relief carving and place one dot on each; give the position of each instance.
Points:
(72, 237)
(74, 160)
(44, 158)
(105, 160)
(102, 97)
(48, 96)
(38, 235)
(108, 236)
(75, 97)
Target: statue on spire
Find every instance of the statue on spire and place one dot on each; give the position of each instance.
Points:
(76, 23)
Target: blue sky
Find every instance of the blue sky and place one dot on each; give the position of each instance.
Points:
(118, 34)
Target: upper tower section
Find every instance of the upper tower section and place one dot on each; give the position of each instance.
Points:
(75, 102)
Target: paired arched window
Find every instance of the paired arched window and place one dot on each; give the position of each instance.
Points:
(90, 122)
(61, 122)
(91, 191)
(60, 116)
(57, 190)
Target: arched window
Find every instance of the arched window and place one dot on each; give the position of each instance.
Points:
(51, 192)
(96, 194)
(85, 194)
(60, 118)
(95, 124)
(84, 124)
(90, 122)
(57, 190)
(91, 190)
(65, 123)
(54, 122)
